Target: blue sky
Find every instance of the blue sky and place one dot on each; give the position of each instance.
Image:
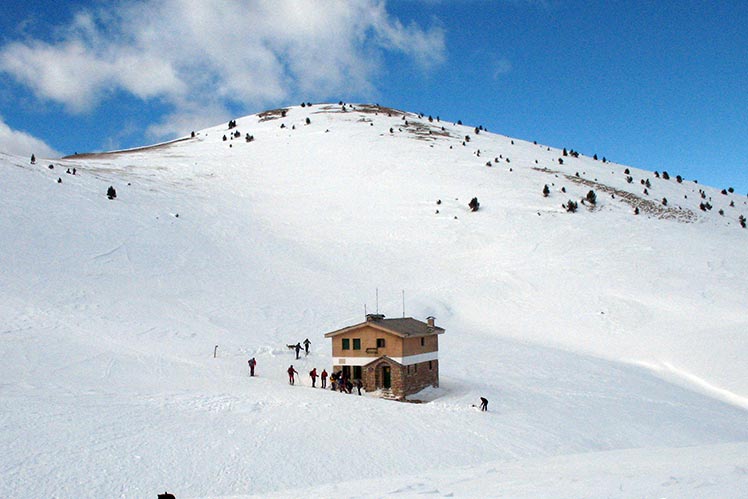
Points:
(658, 85)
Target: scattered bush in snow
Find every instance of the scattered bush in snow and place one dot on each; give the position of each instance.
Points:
(629, 179)
(626, 171)
(308, 121)
(679, 179)
(636, 210)
(591, 197)
(474, 204)
(560, 161)
(741, 221)
(546, 191)
(722, 212)
(111, 193)
(665, 175)
(730, 190)
(249, 138)
(571, 206)
(664, 201)
(33, 159)
(724, 192)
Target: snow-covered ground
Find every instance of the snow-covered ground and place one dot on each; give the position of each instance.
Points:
(611, 346)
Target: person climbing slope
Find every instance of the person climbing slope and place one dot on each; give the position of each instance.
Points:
(291, 371)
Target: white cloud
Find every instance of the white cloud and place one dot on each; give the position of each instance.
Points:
(213, 53)
(23, 144)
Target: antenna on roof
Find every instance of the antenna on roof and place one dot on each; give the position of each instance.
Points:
(365, 312)
(377, 290)
(403, 304)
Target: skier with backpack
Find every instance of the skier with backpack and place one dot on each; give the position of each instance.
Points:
(323, 377)
(313, 375)
(252, 363)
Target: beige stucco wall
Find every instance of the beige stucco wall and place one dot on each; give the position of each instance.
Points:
(412, 346)
(393, 345)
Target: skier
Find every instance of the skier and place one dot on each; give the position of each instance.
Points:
(483, 404)
(359, 385)
(323, 377)
(334, 381)
(313, 375)
(298, 349)
(252, 363)
(306, 346)
(291, 371)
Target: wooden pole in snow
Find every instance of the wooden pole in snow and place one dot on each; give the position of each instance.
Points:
(215, 351)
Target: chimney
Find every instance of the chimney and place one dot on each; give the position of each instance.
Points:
(430, 320)
(374, 317)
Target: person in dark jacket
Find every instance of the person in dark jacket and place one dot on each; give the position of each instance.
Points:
(298, 349)
(359, 385)
(306, 346)
(323, 377)
(313, 375)
(483, 404)
(291, 371)
(252, 363)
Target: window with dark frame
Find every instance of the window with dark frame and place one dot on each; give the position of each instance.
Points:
(423, 341)
(346, 344)
(380, 342)
(357, 343)
(357, 372)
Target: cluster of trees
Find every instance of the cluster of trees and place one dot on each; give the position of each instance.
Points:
(571, 152)
(232, 124)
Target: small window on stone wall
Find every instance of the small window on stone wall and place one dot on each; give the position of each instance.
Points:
(423, 341)
(431, 368)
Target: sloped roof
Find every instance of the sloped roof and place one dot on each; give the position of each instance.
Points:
(406, 327)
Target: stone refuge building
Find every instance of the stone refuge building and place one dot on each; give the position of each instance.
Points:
(398, 356)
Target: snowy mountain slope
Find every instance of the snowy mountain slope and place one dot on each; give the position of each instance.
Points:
(111, 311)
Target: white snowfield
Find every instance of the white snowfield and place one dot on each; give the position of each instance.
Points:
(612, 347)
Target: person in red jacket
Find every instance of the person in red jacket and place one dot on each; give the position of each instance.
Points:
(252, 363)
(313, 375)
(323, 377)
(291, 372)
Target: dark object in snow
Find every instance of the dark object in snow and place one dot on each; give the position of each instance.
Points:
(51, 167)
(298, 349)
(474, 204)
(111, 193)
(252, 363)
(546, 191)
(571, 206)
(291, 371)
(166, 495)
(33, 159)
(591, 197)
(306, 346)
(59, 180)
(484, 404)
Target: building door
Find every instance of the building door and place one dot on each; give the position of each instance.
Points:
(386, 377)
